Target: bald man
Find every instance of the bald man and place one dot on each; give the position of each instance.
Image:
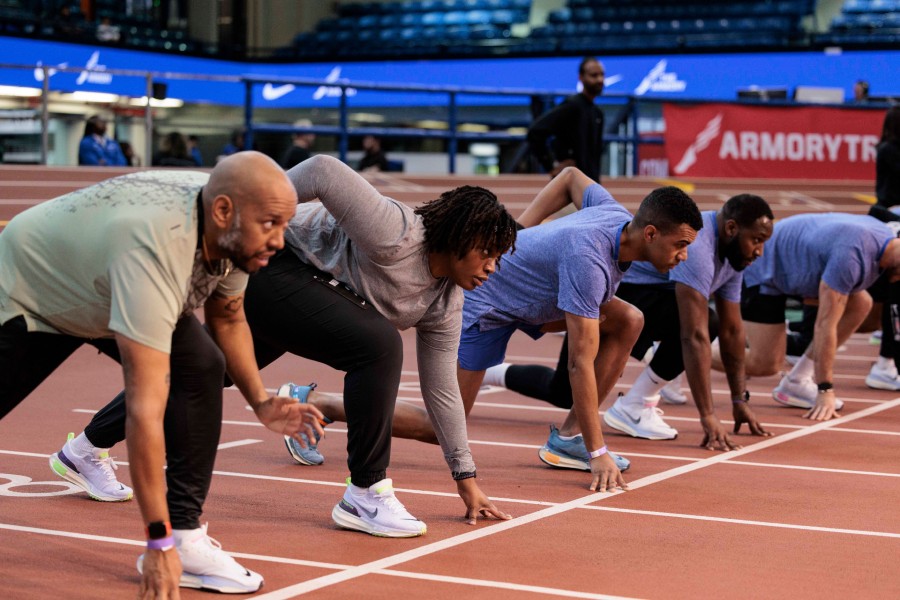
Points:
(122, 265)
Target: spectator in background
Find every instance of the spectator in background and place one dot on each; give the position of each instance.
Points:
(193, 143)
(97, 149)
(861, 91)
(572, 133)
(887, 161)
(174, 152)
(107, 32)
(235, 143)
(374, 158)
(299, 149)
(131, 159)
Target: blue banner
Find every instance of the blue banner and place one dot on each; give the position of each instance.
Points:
(707, 77)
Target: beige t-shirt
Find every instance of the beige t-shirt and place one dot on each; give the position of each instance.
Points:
(116, 257)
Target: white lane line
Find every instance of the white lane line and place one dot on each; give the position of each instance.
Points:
(390, 561)
(503, 585)
(237, 443)
(872, 431)
(746, 522)
(818, 469)
(331, 566)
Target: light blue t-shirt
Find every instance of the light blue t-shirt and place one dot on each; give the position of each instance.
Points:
(703, 270)
(841, 250)
(569, 265)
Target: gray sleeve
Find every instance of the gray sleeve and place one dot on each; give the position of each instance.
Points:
(436, 353)
(375, 223)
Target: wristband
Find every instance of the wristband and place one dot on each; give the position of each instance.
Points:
(599, 451)
(163, 544)
(742, 399)
(825, 386)
(460, 475)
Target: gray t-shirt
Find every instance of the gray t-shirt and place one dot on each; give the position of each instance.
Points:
(702, 271)
(376, 246)
(841, 250)
(119, 256)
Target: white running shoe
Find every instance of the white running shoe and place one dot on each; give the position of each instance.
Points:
(205, 566)
(801, 394)
(648, 424)
(883, 379)
(95, 472)
(671, 392)
(377, 511)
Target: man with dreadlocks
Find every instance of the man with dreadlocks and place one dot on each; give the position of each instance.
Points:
(563, 276)
(356, 268)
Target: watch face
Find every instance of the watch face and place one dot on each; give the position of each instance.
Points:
(157, 530)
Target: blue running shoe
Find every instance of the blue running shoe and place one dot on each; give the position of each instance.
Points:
(305, 456)
(572, 454)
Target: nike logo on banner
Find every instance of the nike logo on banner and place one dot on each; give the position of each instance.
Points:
(270, 92)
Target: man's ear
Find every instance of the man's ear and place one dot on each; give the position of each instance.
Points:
(222, 211)
(731, 228)
(650, 233)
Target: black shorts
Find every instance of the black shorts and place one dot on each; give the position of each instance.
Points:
(762, 308)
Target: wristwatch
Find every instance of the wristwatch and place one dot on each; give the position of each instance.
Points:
(825, 386)
(158, 530)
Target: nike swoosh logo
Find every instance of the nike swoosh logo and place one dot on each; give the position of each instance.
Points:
(270, 92)
(369, 513)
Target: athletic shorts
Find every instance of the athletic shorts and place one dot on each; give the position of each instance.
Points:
(479, 350)
(762, 308)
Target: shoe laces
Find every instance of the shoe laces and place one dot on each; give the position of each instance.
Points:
(106, 464)
(388, 499)
(210, 547)
(653, 414)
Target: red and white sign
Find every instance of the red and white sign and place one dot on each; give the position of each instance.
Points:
(727, 140)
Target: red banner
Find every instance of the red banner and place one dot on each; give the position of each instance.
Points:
(727, 140)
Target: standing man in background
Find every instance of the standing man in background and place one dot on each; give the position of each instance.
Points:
(571, 135)
(98, 150)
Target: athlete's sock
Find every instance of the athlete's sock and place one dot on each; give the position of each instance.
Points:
(804, 369)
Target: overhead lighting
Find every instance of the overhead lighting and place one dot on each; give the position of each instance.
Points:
(429, 124)
(154, 103)
(473, 128)
(19, 92)
(367, 117)
(92, 97)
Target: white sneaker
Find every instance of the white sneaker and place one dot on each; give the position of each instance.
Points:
(648, 424)
(801, 394)
(671, 392)
(95, 472)
(205, 566)
(883, 379)
(377, 511)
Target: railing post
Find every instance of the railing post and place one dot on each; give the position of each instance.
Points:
(148, 121)
(631, 167)
(343, 138)
(45, 115)
(451, 141)
(248, 115)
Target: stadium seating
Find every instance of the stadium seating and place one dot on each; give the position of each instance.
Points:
(863, 23)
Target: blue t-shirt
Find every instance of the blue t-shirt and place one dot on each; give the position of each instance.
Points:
(841, 250)
(703, 270)
(569, 265)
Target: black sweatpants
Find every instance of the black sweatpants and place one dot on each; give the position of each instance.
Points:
(291, 308)
(193, 414)
(661, 323)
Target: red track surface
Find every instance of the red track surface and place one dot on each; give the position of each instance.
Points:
(810, 513)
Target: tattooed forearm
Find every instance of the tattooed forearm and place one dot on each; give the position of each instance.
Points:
(234, 304)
